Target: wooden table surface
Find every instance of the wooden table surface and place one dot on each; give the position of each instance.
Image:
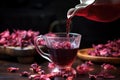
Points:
(5, 75)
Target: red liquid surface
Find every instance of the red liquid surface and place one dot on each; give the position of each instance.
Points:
(100, 12)
(63, 57)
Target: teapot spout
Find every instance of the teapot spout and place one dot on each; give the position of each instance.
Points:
(82, 5)
(71, 12)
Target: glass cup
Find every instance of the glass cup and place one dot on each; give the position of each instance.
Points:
(62, 49)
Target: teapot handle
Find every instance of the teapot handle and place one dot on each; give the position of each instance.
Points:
(39, 50)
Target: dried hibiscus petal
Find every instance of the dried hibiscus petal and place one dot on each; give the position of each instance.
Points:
(108, 67)
(70, 78)
(39, 77)
(81, 70)
(64, 73)
(31, 76)
(51, 65)
(44, 77)
(5, 34)
(89, 63)
(35, 68)
(24, 74)
(85, 67)
(68, 72)
(92, 77)
(60, 45)
(105, 74)
(52, 75)
(12, 69)
(3, 41)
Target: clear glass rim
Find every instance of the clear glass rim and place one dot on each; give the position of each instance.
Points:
(64, 33)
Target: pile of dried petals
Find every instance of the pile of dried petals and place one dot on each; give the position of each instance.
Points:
(20, 38)
(110, 49)
(37, 73)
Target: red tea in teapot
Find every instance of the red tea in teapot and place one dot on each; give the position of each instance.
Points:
(100, 12)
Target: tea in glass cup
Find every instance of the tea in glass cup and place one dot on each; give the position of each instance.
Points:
(62, 49)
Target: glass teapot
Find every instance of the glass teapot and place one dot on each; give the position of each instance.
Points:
(97, 10)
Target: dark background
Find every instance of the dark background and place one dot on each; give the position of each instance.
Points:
(33, 14)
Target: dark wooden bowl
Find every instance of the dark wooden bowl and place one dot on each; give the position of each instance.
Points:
(23, 55)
